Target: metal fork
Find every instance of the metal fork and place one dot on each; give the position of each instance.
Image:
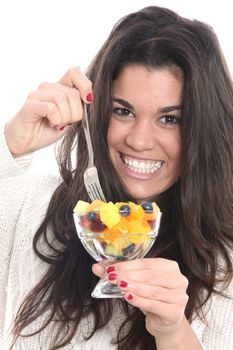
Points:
(90, 176)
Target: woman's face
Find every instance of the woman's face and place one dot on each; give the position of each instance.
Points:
(144, 135)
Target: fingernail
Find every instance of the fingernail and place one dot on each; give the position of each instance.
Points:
(110, 269)
(89, 97)
(123, 284)
(129, 297)
(62, 128)
(112, 276)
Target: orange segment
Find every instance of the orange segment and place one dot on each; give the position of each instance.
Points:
(137, 212)
(95, 204)
(123, 225)
(138, 227)
(109, 235)
(150, 216)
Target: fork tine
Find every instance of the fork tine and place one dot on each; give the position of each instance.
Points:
(90, 193)
(94, 191)
(88, 189)
(90, 176)
(98, 191)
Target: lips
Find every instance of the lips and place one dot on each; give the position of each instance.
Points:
(141, 166)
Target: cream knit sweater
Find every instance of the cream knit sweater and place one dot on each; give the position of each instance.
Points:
(24, 198)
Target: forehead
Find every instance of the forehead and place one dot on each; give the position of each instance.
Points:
(151, 86)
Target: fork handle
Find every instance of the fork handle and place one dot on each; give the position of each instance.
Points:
(86, 129)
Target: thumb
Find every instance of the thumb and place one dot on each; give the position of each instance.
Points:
(98, 270)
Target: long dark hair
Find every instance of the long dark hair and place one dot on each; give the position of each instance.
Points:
(196, 228)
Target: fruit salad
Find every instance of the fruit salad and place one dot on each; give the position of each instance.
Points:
(118, 227)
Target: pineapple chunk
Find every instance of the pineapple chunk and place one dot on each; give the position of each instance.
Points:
(109, 214)
(81, 207)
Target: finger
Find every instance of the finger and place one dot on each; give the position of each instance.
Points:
(98, 270)
(160, 308)
(37, 110)
(65, 97)
(55, 97)
(75, 78)
(158, 264)
(151, 277)
(175, 296)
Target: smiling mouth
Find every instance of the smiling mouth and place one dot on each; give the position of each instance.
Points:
(141, 166)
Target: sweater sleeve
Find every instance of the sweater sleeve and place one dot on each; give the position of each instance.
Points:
(216, 331)
(10, 166)
(13, 188)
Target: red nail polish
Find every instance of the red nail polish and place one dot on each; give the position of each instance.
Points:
(62, 128)
(112, 276)
(123, 284)
(110, 269)
(89, 97)
(129, 297)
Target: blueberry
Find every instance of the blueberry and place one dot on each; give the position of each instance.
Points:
(91, 215)
(124, 210)
(147, 206)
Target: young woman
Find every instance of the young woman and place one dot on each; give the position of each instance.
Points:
(161, 116)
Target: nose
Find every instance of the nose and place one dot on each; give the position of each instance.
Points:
(142, 136)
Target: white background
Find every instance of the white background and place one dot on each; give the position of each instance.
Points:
(41, 39)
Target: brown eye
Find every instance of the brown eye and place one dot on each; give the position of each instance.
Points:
(170, 119)
(122, 112)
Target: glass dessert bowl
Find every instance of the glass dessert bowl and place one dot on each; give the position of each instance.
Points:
(116, 232)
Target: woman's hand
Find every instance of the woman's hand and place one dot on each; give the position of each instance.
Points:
(47, 112)
(157, 287)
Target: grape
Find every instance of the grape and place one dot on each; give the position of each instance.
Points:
(84, 222)
(97, 226)
(124, 210)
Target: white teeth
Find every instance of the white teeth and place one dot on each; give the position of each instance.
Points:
(142, 167)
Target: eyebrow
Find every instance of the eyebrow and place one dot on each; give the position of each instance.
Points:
(169, 109)
(161, 110)
(124, 103)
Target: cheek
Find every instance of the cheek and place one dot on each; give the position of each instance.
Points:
(175, 152)
(115, 134)
(172, 145)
